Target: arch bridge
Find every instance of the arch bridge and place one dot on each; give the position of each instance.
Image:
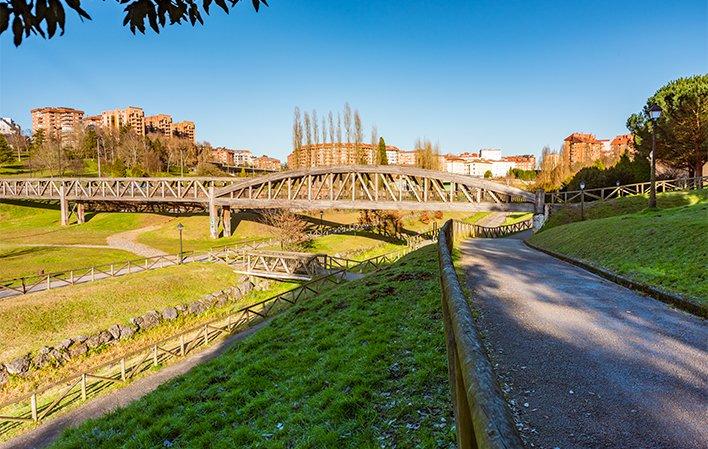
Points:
(379, 187)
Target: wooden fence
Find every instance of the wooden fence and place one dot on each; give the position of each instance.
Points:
(464, 230)
(481, 416)
(91, 381)
(40, 282)
(606, 193)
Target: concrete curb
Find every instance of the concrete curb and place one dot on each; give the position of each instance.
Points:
(662, 295)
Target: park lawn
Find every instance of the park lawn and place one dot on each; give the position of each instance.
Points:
(21, 261)
(45, 318)
(666, 248)
(361, 366)
(345, 243)
(475, 217)
(30, 223)
(622, 206)
(196, 236)
(517, 217)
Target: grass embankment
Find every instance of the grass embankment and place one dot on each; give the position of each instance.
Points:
(666, 248)
(623, 206)
(361, 366)
(29, 223)
(45, 318)
(196, 236)
(17, 261)
(517, 217)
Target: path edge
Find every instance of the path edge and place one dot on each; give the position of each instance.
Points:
(660, 294)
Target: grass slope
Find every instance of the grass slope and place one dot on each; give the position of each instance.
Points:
(31, 321)
(27, 223)
(361, 366)
(667, 248)
(622, 206)
(18, 261)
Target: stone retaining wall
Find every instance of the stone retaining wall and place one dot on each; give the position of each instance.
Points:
(70, 348)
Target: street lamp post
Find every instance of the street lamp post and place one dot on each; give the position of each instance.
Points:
(179, 228)
(321, 213)
(98, 155)
(654, 114)
(582, 200)
(619, 191)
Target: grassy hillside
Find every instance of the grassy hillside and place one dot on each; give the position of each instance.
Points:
(30, 223)
(623, 206)
(361, 366)
(32, 320)
(667, 248)
(18, 261)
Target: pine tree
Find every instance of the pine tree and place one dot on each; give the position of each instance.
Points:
(382, 158)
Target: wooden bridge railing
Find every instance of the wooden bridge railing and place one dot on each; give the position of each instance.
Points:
(464, 230)
(606, 193)
(481, 416)
(92, 381)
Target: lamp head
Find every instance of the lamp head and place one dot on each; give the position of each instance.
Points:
(180, 226)
(582, 185)
(655, 112)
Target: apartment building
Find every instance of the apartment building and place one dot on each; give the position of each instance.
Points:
(455, 164)
(185, 129)
(266, 163)
(522, 161)
(622, 144)
(159, 124)
(56, 121)
(131, 117)
(478, 167)
(406, 157)
(325, 154)
(9, 127)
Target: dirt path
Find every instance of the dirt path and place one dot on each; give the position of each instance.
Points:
(127, 241)
(46, 433)
(587, 363)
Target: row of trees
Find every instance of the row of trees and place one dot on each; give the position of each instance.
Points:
(112, 152)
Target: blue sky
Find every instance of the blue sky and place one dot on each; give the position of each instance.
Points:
(514, 75)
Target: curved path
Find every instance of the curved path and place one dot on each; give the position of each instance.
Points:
(586, 363)
(127, 241)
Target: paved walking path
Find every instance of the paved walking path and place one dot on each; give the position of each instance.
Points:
(127, 241)
(587, 363)
(46, 433)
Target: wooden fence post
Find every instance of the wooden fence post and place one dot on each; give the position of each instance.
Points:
(122, 369)
(33, 406)
(181, 345)
(83, 386)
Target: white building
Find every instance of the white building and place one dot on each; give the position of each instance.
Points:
(8, 126)
(455, 165)
(501, 168)
(478, 168)
(243, 158)
(491, 154)
(392, 156)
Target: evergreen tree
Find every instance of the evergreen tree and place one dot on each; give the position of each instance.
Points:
(6, 152)
(382, 158)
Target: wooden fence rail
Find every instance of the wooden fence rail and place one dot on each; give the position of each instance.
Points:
(34, 283)
(464, 230)
(606, 193)
(481, 416)
(89, 382)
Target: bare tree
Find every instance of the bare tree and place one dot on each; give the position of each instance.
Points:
(315, 128)
(289, 229)
(374, 143)
(348, 122)
(358, 140)
(308, 139)
(331, 128)
(297, 134)
(427, 155)
(339, 129)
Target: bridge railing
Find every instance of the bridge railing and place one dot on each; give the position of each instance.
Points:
(481, 416)
(606, 193)
(91, 381)
(46, 281)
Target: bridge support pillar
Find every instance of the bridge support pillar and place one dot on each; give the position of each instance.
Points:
(539, 210)
(63, 206)
(80, 213)
(213, 215)
(226, 220)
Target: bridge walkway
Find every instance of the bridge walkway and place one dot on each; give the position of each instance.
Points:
(587, 363)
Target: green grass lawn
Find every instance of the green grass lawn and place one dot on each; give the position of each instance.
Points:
(196, 233)
(623, 206)
(31, 321)
(29, 223)
(667, 247)
(345, 243)
(17, 261)
(360, 366)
